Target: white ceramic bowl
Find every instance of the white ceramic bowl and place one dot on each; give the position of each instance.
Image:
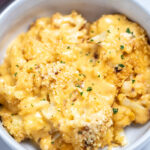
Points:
(17, 17)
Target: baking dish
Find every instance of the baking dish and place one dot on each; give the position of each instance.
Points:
(20, 14)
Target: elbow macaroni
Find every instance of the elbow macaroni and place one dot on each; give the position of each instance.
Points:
(68, 84)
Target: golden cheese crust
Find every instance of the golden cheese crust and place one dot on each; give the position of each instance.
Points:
(68, 84)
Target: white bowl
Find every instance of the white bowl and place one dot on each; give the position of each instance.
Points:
(17, 17)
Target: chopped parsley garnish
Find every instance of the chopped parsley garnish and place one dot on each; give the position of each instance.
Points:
(84, 75)
(81, 93)
(68, 47)
(62, 62)
(89, 89)
(92, 31)
(121, 65)
(30, 68)
(58, 110)
(128, 31)
(43, 99)
(121, 46)
(80, 74)
(98, 61)
(17, 66)
(79, 132)
(87, 54)
(77, 85)
(108, 31)
(115, 110)
(15, 74)
(133, 81)
(99, 75)
(122, 56)
(52, 142)
(72, 103)
(91, 60)
(91, 40)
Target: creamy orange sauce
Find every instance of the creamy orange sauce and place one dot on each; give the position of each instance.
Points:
(72, 85)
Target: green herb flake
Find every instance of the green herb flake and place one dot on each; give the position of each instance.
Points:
(91, 40)
(79, 132)
(62, 62)
(77, 85)
(92, 31)
(32, 105)
(121, 65)
(72, 104)
(115, 110)
(68, 47)
(122, 47)
(98, 61)
(89, 89)
(133, 81)
(91, 60)
(17, 66)
(30, 68)
(81, 93)
(15, 74)
(99, 75)
(52, 142)
(122, 56)
(84, 75)
(108, 31)
(43, 99)
(129, 31)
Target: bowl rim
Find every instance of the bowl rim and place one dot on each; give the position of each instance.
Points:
(11, 142)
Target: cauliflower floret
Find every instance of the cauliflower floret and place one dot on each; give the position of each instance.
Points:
(137, 108)
(123, 117)
(14, 124)
(87, 132)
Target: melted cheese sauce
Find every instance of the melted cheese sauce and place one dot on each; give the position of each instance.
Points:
(67, 84)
